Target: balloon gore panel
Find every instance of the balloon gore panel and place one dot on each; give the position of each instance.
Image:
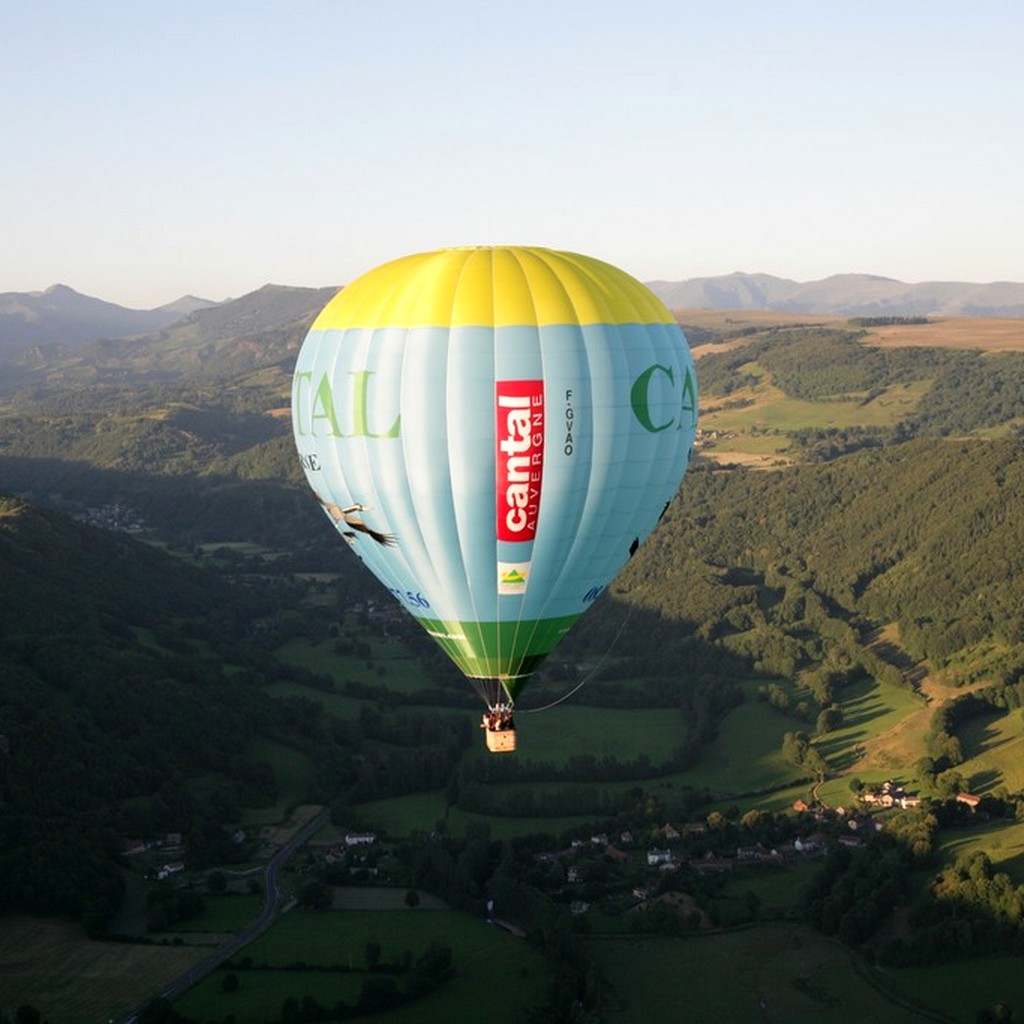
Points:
(494, 431)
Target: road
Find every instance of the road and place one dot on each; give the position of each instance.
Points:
(274, 903)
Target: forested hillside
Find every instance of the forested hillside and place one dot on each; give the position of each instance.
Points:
(925, 534)
(124, 672)
(880, 541)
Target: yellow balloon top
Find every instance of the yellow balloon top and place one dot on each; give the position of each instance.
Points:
(492, 286)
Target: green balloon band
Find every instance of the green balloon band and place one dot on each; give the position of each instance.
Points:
(507, 651)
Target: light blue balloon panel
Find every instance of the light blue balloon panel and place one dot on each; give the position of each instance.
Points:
(494, 431)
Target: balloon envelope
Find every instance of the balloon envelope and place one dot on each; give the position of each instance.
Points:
(494, 431)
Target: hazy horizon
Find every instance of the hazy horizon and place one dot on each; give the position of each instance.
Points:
(210, 149)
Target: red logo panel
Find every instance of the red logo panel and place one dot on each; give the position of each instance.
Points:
(519, 451)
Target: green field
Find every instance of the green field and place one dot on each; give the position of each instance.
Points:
(773, 410)
(260, 994)
(774, 974)
(993, 746)
(391, 665)
(779, 889)
(1002, 841)
(746, 756)
(744, 759)
(420, 812)
(869, 708)
(337, 704)
(569, 730)
(339, 938)
(75, 980)
(293, 771)
(401, 816)
(223, 914)
(758, 433)
(961, 989)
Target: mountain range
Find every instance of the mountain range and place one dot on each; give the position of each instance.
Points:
(37, 327)
(62, 316)
(62, 333)
(843, 295)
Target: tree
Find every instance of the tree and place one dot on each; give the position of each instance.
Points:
(829, 719)
(316, 896)
(716, 821)
(371, 954)
(753, 819)
(412, 899)
(216, 882)
(230, 982)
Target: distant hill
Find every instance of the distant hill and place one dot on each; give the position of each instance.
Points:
(257, 330)
(185, 305)
(40, 329)
(843, 295)
(61, 316)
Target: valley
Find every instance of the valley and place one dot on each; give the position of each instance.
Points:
(830, 603)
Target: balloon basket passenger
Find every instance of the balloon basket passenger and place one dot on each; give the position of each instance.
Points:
(499, 729)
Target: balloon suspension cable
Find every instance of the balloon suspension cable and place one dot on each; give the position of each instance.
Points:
(492, 693)
(586, 679)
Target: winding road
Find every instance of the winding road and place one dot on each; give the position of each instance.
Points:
(274, 903)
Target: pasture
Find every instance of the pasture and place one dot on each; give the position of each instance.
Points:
(758, 434)
(775, 974)
(746, 755)
(338, 939)
(72, 979)
(871, 711)
(224, 914)
(772, 409)
(963, 987)
(740, 320)
(779, 890)
(337, 704)
(388, 664)
(293, 772)
(991, 334)
(993, 746)
(1002, 841)
(403, 816)
(572, 730)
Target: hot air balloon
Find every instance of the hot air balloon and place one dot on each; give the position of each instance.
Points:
(494, 431)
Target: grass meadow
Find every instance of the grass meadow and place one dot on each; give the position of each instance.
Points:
(870, 708)
(991, 334)
(337, 704)
(1002, 841)
(388, 664)
(759, 432)
(402, 816)
(993, 746)
(567, 731)
(71, 979)
(294, 773)
(339, 939)
(224, 913)
(963, 988)
(772, 973)
(746, 756)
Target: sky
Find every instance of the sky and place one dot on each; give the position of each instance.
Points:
(151, 150)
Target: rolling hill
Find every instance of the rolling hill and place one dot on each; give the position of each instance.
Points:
(844, 295)
(62, 317)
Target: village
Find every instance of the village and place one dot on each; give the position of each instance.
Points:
(617, 872)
